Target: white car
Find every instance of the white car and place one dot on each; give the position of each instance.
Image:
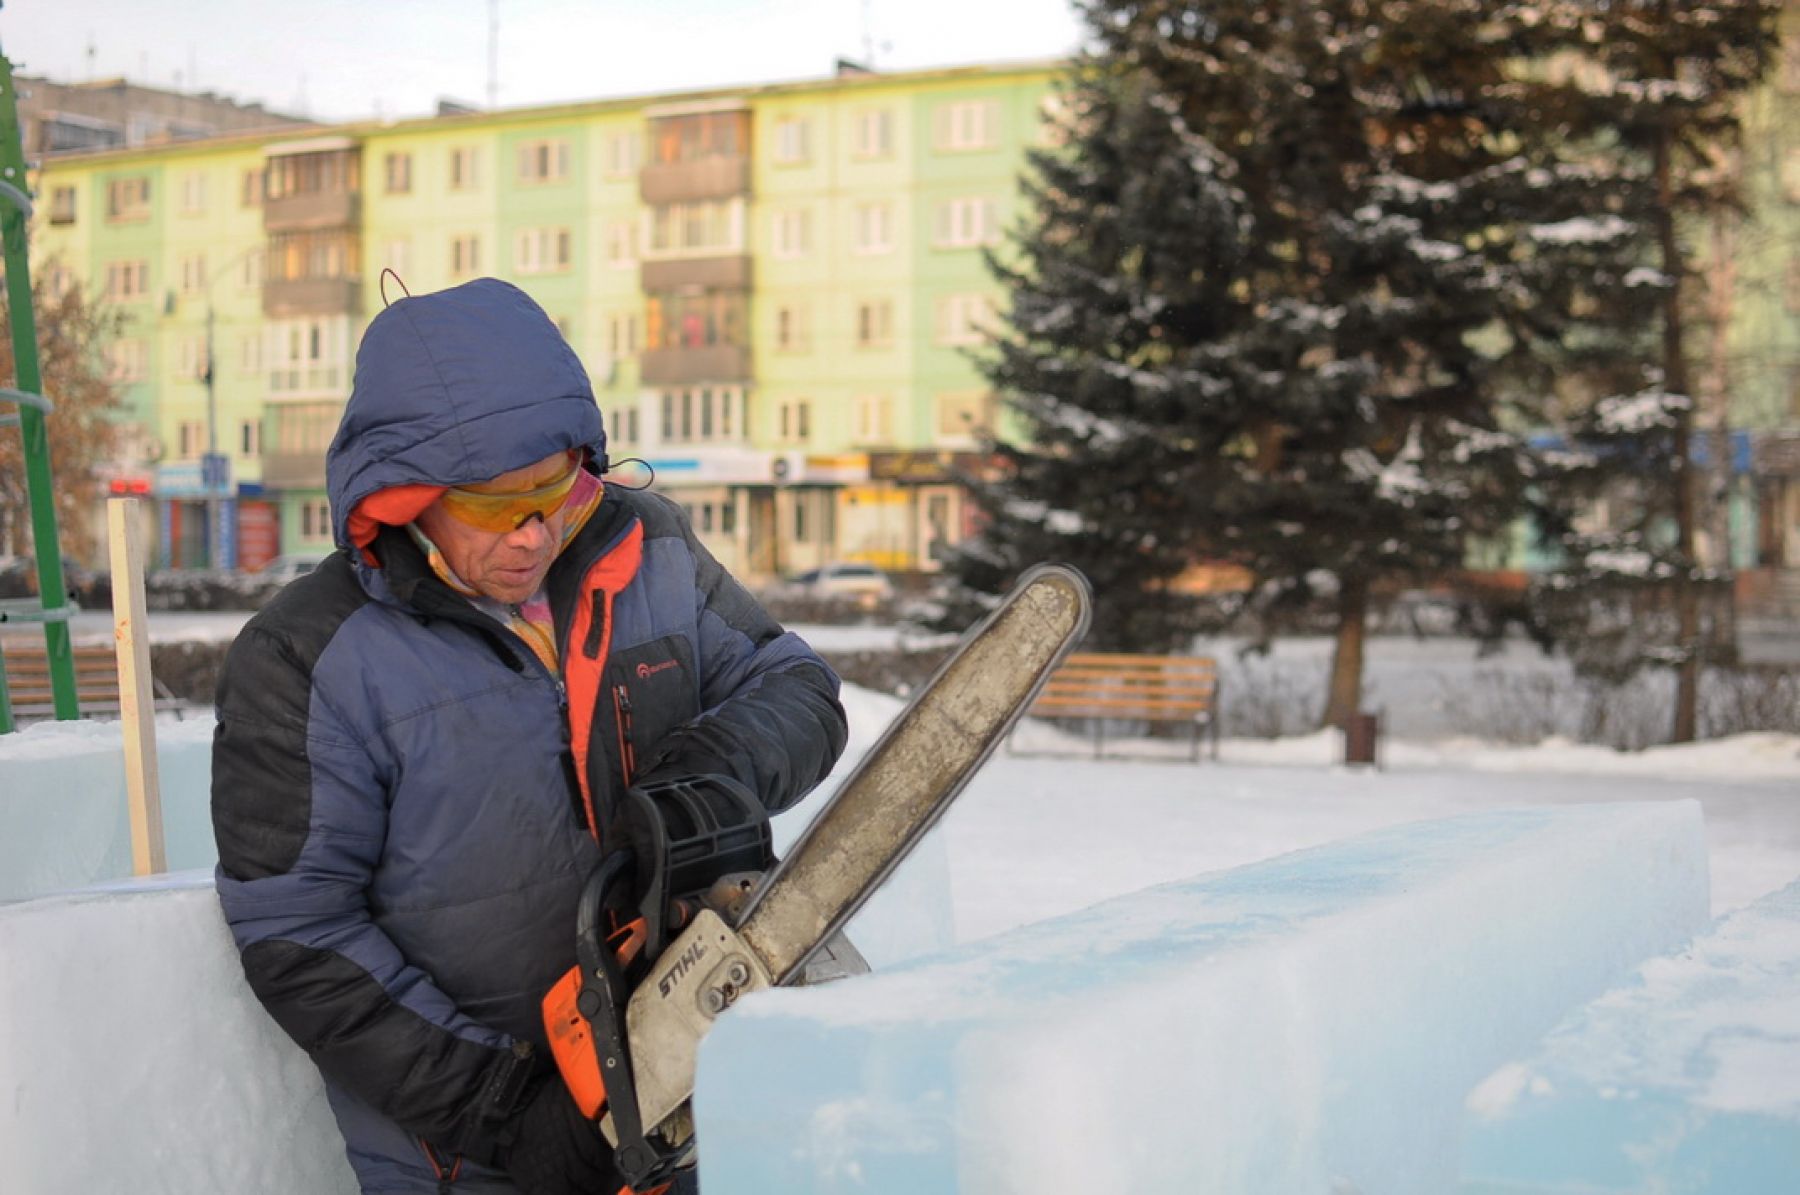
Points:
(863, 582)
(283, 569)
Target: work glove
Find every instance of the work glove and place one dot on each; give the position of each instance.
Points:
(558, 1151)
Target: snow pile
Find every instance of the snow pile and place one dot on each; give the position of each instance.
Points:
(1309, 1023)
(1685, 1082)
(64, 822)
(135, 1058)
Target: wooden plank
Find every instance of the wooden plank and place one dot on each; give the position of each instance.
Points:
(137, 699)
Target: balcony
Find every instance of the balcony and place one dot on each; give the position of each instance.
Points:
(716, 363)
(284, 297)
(293, 470)
(312, 209)
(704, 273)
(718, 177)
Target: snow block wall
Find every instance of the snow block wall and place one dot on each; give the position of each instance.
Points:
(1308, 1024)
(63, 817)
(1684, 1082)
(134, 1056)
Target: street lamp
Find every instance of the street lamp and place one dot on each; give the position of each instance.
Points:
(215, 466)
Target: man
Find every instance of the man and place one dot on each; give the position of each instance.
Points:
(422, 743)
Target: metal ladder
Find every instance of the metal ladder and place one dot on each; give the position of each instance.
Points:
(51, 608)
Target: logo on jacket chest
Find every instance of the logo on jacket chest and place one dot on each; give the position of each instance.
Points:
(646, 671)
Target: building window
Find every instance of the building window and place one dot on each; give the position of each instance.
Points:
(693, 321)
(190, 359)
(309, 356)
(251, 270)
(396, 173)
(1055, 119)
(621, 244)
(872, 229)
(802, 532)
(872, 134)
(965, 126)
(329, 172)
(250, 193)
(794, 422)
(967, 222)
(703, 414)
(465, 256)
(250, 354)
(791, 330)
(127, 280)
(708, 229)
(126, 360)
(542, 251)
(193, 193)
(624, 152)
(190, 439)
(330, 254)
(58, 279)
(793, 141)
(870, 418)
(128, 199)
(700, 135)
(624, 426)
(622, 334)
(193, 273)
(464, 168)
(1787, 78)
(874, 324)
(250, 438)
(315, 519)
(545, 161)
(961, 418)
(792, 232)
(62, 205)
(964, 319)
(396, 255)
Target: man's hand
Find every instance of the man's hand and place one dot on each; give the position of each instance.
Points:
(558, 1151)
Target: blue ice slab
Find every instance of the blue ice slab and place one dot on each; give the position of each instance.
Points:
(1307, 1024)
(1684, 1082)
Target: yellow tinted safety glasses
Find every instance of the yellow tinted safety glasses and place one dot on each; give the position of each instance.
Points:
(509, 512)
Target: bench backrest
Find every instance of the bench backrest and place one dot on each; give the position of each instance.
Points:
(1120, 685)
(28, 680)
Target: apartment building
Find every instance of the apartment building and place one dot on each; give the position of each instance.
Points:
(774, 290)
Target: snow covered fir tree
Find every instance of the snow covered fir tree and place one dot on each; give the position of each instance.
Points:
(1293, 297)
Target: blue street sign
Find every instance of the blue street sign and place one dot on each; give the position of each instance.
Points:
(215, 472)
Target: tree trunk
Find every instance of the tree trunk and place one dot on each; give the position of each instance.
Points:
(1345, 695)
(1675, 380)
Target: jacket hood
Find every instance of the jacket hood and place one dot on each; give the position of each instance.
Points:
(453, 388)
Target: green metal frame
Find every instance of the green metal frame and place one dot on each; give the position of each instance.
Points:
(15, 218)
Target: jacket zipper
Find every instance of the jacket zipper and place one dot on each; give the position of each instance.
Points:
(622, 717)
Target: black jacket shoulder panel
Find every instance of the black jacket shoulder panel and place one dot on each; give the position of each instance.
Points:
(261, 774)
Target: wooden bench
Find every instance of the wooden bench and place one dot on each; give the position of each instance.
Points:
(1106, 686)
(96, 682)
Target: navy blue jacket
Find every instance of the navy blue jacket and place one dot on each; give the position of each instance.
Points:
(405, 799)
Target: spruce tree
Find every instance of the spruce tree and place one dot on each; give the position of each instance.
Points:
(1119, 296)
(1658, 85)
(1322, 365)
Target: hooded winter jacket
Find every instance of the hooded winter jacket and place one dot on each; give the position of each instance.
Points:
(407, 801)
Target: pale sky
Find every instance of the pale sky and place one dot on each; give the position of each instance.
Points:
(349, 59)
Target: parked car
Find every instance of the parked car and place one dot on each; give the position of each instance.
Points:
(864, 583)
(282, 569)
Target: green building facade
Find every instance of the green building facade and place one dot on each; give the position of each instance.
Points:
(774, 289)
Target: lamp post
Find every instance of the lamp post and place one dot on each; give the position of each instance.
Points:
(215, 466)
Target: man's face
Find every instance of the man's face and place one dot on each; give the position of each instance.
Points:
(507, 566)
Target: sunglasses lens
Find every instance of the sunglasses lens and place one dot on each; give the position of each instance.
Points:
(507, 512)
